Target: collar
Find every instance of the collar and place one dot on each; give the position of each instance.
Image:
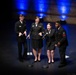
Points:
(21, 21)
(50, 30)
(59, 27)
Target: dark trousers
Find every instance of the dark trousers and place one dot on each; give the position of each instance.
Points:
(62, 51)
(20, 53)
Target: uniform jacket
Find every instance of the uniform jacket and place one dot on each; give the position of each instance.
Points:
(35, 30)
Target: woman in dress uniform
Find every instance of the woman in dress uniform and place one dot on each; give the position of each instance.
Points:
(36, 32)
(50, 42)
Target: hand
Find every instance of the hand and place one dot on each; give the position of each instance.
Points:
(20, 34)
(40, 34)
(25, 33)
(28, 36)
(55, 45)
(43, 37)
(58, 43)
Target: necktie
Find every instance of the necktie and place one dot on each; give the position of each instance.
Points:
(36, 25)
(21, 22)
(49, 31)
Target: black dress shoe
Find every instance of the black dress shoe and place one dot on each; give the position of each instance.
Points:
(61, 65)
(49, 62)
(25, 58)
(35, 60)
(39, 60)
(52, 62)
(65, 62)
(21, 60)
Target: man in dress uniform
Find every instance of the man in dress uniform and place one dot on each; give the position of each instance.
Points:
(20, 28)
(61, 42)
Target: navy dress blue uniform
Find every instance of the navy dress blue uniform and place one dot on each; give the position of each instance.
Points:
(50, 39)
(61, 37)
(21, 27)
(37, 42)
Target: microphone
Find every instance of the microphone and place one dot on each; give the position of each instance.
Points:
(45, 35)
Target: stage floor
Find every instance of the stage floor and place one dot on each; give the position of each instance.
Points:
(9, 64)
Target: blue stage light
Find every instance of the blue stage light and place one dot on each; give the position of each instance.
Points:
(21, 12)
(63, 17)
(21, 6)
(40, 6)
(63, 8)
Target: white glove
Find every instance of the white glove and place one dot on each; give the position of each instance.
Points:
(20, 34)
(40, 34)
(25, 33)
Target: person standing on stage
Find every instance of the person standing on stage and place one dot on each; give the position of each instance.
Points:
(61, 42)
(36, 33)
(20, 28)
(50, 42)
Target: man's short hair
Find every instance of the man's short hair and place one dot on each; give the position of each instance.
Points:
(58, 22)
(21, 15)
(50, 24)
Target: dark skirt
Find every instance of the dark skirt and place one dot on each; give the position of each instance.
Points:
(37, 43)
(50, 45)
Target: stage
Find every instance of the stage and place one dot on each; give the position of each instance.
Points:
(9, 63)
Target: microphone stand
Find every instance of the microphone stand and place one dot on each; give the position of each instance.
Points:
(45, 66)
(30, 64)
